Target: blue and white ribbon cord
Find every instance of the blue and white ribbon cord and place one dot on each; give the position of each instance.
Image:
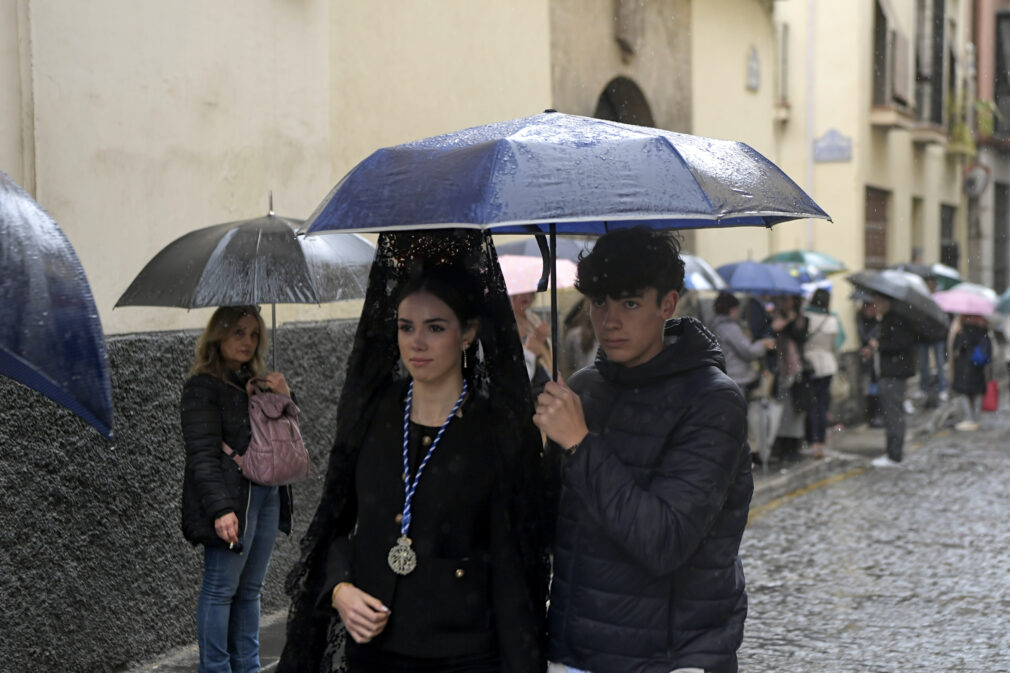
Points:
(409, 486)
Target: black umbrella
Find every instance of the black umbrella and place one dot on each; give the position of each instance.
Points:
(909, 296)
(50, 337)
(248, 262)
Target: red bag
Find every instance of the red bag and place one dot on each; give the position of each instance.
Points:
(991, 400)
(276, 455)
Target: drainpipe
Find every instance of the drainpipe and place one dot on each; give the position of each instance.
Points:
(811, 26)
(26, 76)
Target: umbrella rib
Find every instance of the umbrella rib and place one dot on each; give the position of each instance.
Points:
(690, 170)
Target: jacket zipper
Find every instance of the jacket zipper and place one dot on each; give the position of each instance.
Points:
(248, 504)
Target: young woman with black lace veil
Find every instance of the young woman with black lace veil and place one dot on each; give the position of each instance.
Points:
(427, 551)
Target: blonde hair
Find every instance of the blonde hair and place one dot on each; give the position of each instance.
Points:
(208, 346)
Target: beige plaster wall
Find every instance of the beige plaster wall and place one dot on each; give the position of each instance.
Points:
(722, 35)
(416, 68)
(10, 93)
(585, 57)
(154, 119)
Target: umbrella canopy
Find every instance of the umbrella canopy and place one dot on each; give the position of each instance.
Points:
(556, 173)
(522, 273)
(981, 290)
(584, 175)
(820, 260)
(260, 261)
(699, 274)
(567, 248)
(945, 276)
(759, 278)
(50, 336)
(1003, 305)
(964, 301)
(909, 296)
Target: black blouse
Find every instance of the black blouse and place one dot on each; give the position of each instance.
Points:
(467, 566)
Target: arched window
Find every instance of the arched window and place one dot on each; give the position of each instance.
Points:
(623, 101)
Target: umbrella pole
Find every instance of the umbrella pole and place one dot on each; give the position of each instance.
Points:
(273, 328)
(554, 302)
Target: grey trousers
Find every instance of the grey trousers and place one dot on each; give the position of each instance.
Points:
(892, 394)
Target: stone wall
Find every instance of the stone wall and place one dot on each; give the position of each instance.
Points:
(94, 571)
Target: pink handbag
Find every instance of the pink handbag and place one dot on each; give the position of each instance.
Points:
(276, 455)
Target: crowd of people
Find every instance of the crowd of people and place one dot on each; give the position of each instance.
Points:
(478, 516)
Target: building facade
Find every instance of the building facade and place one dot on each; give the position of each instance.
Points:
(987, 178)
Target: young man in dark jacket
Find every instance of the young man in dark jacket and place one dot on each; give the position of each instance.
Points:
(894, 347)
(655, 478)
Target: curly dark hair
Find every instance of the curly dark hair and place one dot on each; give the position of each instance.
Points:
(630, 260)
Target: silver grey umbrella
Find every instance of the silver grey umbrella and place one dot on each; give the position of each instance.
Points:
(909, 297)
(251, 262)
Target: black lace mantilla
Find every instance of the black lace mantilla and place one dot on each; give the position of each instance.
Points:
(315, 640)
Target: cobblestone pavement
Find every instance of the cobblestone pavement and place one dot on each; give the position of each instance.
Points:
(890, 569)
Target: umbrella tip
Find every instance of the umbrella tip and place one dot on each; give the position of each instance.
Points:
(270, 209)
(549, 110)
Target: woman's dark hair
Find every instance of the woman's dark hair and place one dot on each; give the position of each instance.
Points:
(821, 298)
(724, 302)
(630, 260)
(457, 288)
(452, 285)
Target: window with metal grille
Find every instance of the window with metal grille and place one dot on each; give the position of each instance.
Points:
(949, 252)
(1001, 238)
(875, 229)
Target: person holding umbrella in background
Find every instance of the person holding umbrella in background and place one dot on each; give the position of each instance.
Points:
(894, 346)
(824, 337)
(971, 349)
(235, 519)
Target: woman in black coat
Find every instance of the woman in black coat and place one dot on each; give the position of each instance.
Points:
(234, 519)
(971, 351)
(426, 552)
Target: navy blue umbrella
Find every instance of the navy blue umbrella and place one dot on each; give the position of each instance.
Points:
(699, 274)
(50, 337)
(759, 278)
(584, 175)
(557, 173)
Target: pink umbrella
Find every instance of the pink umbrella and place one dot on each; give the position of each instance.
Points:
(522, 273)
(965, 302)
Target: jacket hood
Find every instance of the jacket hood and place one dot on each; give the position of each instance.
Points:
(687, 345)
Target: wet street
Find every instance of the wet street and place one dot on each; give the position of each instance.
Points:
(901, 569)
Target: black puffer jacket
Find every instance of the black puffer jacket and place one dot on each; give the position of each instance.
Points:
(214, 411)
(654, 502)
(896, 341)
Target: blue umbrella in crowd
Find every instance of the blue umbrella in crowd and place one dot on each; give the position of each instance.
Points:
(759, 278)
(555, 173)
(699, 274)
(51, 339)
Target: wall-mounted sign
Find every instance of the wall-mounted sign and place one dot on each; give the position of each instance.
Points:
(832, 146)
(753, 70)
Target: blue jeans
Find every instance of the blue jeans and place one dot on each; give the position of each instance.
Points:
(939, 350)
(228, 613)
